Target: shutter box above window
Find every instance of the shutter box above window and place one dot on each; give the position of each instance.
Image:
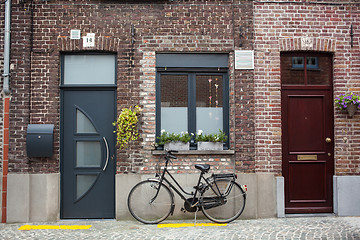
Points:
(192, 60)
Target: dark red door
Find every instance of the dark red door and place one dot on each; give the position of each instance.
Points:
(307, 139)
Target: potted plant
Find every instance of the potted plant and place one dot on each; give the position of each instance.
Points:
(349, 102)
(174, 141)
(212, 141)
(127, 126)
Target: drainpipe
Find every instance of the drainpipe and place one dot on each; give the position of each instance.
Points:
(6, 111)
(6, 73)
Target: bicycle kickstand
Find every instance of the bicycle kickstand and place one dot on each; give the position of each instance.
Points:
(197, 209)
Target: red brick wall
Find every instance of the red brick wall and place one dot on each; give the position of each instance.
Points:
(163, 26)
(280, 27)
(183, 26)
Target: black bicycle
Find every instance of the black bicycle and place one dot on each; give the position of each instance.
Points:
(219, 197)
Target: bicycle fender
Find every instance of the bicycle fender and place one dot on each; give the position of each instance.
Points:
(154, 179)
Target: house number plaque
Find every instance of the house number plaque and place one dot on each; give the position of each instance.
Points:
(89, 40)
(306, 157)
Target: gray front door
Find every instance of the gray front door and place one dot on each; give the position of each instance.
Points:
(88, 161)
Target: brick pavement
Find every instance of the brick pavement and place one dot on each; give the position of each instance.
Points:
(274, 228)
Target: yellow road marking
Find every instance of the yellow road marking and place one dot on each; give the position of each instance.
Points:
(63, 227)
(179, 225)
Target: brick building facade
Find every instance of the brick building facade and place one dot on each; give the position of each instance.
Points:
(322, 27)
(328, 27)
(136, 33)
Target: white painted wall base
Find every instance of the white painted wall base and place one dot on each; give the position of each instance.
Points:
(36, 197)
(347, 195)
(260, 202)
(33, 197)
(280, 197)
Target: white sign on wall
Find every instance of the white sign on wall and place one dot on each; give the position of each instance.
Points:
(89, 40)
(75, 34)
(244, 59)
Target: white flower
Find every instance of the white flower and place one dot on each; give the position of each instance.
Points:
(162, 131)
(199, 132)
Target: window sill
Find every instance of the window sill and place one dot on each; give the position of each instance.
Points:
(198, 152)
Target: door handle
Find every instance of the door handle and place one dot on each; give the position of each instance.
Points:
(328, 140)
(107, 154)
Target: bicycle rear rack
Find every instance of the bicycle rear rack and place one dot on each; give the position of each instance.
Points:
(224, 175)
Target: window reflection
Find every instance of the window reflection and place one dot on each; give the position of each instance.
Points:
(209, 102)
(174, 103)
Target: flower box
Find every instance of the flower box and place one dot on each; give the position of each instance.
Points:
(210, 146)
(349, 102)
(178, 146)
(351, 109)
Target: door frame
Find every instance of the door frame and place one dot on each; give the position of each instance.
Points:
(83, 87)
(307, 89)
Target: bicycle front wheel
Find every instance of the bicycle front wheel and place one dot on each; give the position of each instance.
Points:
(227, 209)
(150, 202)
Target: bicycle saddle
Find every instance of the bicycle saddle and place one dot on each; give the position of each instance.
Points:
(203, 167)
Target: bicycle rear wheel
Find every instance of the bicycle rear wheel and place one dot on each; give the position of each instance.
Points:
(232, 206)
(147, 204)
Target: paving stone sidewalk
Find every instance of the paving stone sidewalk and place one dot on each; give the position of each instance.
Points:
(274, 228)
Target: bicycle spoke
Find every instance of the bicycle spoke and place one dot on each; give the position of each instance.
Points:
(150, 202)
(223, 209)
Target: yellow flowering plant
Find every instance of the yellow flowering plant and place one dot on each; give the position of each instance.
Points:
(126, 126)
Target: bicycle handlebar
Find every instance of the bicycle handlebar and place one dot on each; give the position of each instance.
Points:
(169, 154)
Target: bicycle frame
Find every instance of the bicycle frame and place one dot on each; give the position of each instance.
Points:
(194, 202)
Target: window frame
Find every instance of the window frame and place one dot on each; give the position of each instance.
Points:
(305, 64)
(192, 73)
(86, 85)
(305, 83)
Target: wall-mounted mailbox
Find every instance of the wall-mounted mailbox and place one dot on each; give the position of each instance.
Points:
(39, 140)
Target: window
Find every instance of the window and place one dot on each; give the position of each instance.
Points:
(85, 69)
(191, 99)
(311, 62)
(305, 68)
(174, 102)
(298, 62)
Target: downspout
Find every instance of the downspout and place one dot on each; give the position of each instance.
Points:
(6, 110)
(6, 73)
